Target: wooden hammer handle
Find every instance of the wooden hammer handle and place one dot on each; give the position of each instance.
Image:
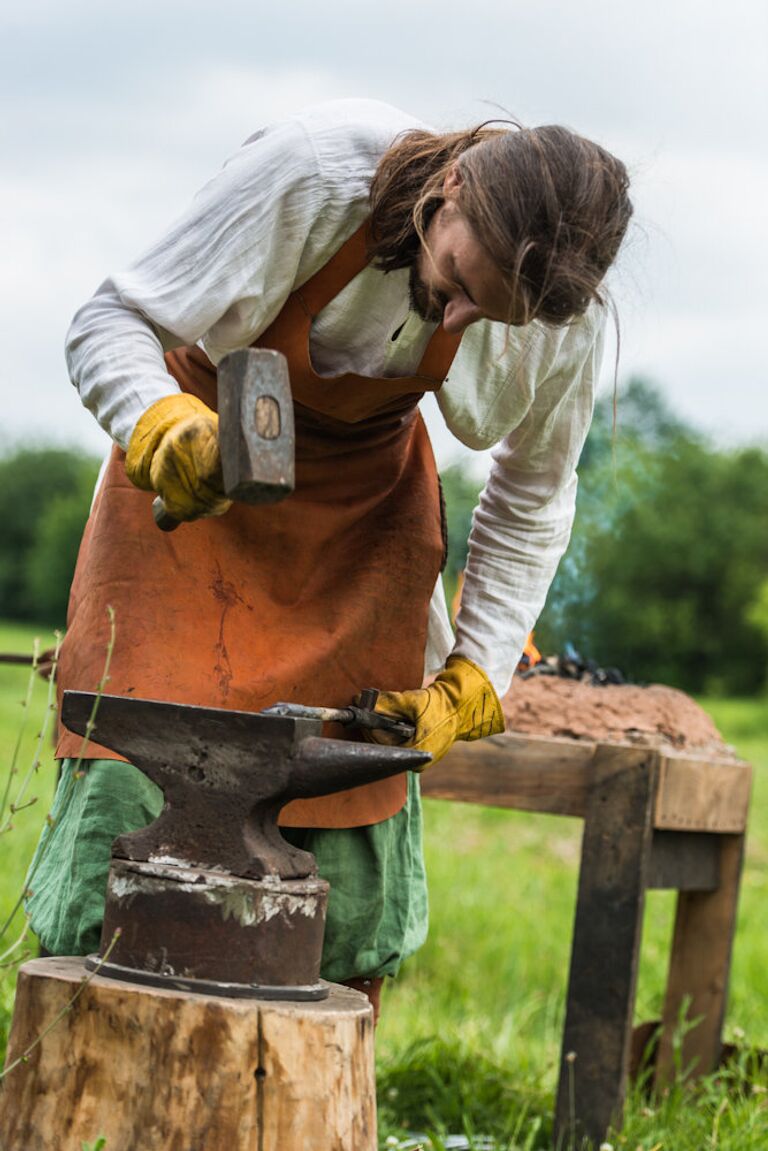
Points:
(164, 520)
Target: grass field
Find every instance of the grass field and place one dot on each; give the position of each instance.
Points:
(482, 1004)
(469, 1039)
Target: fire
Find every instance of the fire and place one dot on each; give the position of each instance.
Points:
(531, 655)
(456, 601)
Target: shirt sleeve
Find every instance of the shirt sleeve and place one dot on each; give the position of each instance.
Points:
(224, 268)
(523, 520)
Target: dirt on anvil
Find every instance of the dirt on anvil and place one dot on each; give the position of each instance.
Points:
(656, 716)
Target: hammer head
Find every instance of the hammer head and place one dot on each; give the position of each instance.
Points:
(256, 433)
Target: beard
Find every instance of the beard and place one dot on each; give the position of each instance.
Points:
(428, 304)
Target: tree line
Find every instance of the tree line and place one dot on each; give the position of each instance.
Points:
(45, 495)
(666, 576)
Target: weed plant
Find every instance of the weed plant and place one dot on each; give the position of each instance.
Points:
(19, 769)
(25, 757)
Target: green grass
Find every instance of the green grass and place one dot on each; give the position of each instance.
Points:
(469, 1038)
(20, 744)
(470, 1032)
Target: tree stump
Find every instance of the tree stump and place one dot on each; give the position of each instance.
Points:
(160, 1070)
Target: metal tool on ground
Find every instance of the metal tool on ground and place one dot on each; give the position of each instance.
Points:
(361, 715)
(210, 897)
(256, 430)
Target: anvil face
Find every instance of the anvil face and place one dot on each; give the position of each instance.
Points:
(225, 776)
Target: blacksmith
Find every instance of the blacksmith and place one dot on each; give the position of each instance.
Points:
(385, 261)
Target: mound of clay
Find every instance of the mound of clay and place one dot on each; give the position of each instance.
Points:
(656, 716)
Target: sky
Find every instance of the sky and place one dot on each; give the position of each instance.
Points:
(114, 114)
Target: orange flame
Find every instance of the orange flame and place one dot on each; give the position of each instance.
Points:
(456, 601)
(531, 655)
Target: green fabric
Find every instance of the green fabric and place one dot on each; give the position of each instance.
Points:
(377, 910)
(377, 906)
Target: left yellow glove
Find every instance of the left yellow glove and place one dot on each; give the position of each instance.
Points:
(461, 703)
(174, 451)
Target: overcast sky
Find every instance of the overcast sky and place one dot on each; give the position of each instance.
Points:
(115, 113)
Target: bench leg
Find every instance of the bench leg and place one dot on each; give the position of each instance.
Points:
(699, 969)
(606, 941)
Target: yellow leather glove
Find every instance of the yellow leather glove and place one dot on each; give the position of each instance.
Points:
(461, 703)
(174, 451)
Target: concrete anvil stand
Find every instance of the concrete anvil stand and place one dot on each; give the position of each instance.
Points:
(203, 1024)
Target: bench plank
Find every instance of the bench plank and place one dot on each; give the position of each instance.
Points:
(529, 773)
(553, 776)
(697, 794)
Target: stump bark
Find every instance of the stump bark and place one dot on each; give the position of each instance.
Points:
(163, 1070)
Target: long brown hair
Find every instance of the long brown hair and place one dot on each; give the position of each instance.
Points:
(550, 207)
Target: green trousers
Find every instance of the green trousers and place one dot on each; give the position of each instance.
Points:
(377, 908)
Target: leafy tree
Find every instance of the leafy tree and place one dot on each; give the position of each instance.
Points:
(668, 555)
(757, 615)
(757, 611)
(460, 491)
(45, 495)
(51, 559)
(643, 418)
(615, 455)
(681, 569)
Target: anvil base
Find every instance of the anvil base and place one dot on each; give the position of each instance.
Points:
(200, 930)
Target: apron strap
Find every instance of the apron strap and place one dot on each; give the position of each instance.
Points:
(351, 258)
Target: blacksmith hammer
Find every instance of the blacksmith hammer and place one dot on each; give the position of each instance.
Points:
(256, 432)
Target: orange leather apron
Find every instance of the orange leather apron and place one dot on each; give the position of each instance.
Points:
(308, 600)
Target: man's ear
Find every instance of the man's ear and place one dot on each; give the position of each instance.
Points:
(453, 181)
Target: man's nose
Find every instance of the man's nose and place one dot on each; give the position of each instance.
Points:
(459, 313)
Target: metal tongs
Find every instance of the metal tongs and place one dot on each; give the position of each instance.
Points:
(362, 715)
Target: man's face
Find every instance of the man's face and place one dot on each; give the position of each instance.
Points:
(456, 282)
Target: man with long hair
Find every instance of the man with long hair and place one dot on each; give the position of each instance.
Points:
(384, 260)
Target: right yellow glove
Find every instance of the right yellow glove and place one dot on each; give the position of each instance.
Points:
(461, 703)
(174, 451)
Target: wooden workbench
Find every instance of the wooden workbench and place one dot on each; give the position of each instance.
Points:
(652, 819)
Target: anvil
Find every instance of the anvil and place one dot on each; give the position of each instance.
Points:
(211, 897)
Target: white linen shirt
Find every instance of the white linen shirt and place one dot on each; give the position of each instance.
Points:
(276, 213)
